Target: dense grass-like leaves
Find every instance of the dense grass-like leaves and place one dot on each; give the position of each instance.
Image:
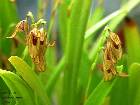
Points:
(120, 14)
(8, 18)
(132, 35)
(101, 23)
(30, 77)
(76, 29)
(3, 92)
(74, 79)
(9, 15)
(99, 94)
(101, 91)
(53, 78)
(63, 22)
(134, 85)
(18, 88)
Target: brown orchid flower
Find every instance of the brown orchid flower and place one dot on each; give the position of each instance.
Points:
(112, 53)
(36, 40)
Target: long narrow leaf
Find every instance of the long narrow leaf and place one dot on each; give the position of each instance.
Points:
(99, 94)
(134, 85)
(115, 18)
(30, 77)
(18, 88)
(75, 37)
(101, 91)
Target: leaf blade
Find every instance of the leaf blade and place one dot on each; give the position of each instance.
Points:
(11, 79)
(30, 77)
(134, 86)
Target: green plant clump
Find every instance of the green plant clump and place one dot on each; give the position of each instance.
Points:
(70, 72)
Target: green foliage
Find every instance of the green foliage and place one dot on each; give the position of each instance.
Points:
(101, 91)
(76, 29)
(30, 77)
(134, 86)
(132, 35)
(72, 76)
(18, 88)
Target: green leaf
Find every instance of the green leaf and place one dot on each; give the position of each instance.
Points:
(97, 14)
(9, 15)
(30, 77)
(18, 88)
(101, 91)
(54, 76)
(99, 94)
(95, 20)
(115, 18)
(83, 77)
(75, 37)
(94, 28)
(121, 86)
(134, 85)
(98, 47)
(4, 92)
(132, 41)
(63, 21)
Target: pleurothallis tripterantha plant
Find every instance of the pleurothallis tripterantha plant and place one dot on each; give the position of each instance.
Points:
(36, 39)
(75, 78)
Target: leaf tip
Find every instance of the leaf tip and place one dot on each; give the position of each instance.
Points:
(13, 58)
